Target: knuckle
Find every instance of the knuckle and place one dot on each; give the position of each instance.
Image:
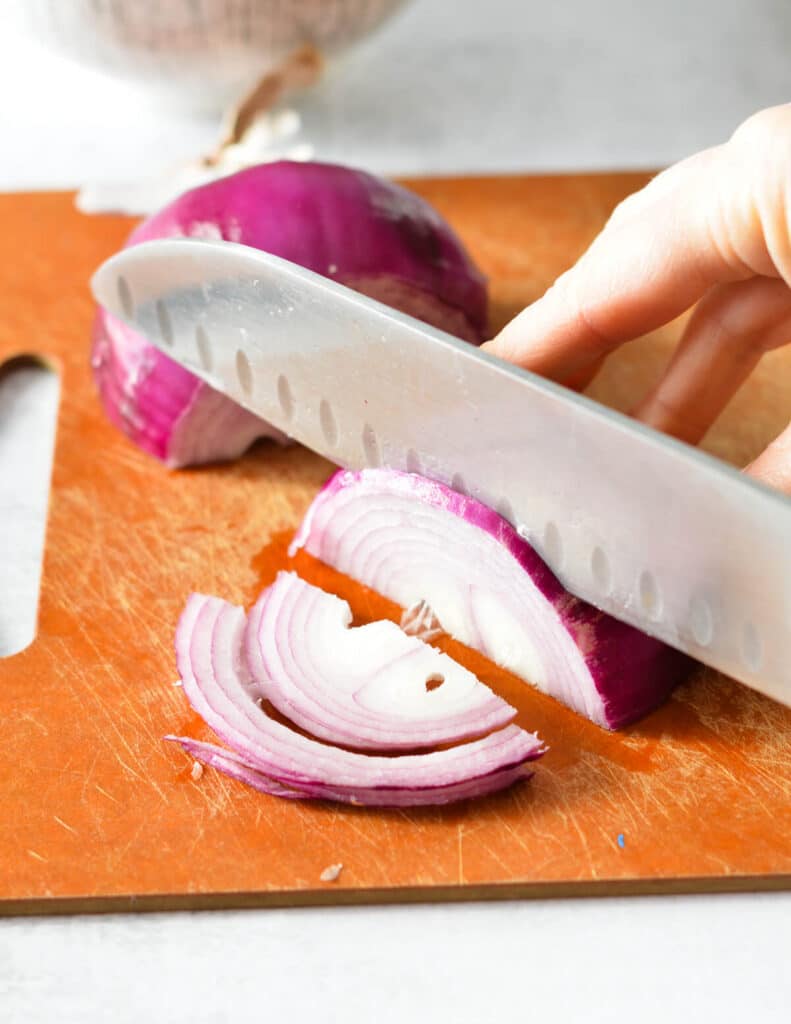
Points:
(749, 198)
(768, 127)
(623, 211)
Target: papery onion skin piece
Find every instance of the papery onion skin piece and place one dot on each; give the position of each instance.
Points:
(218, 685)
(411, 538)
(360, 230)
(419, 620)
(367, 687)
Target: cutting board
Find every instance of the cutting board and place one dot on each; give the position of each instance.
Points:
(96, 812)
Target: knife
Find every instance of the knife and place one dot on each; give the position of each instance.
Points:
(648, 529)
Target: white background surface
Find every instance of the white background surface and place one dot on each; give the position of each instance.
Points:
(449, 87)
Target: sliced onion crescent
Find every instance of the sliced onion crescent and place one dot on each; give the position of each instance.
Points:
(368, 686)
(219, 686)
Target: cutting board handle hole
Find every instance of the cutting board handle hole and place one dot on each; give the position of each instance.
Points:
(28, 413)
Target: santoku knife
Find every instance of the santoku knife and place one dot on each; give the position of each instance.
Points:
(652, 531)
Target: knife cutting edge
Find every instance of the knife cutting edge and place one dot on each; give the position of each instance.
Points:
(650, 530)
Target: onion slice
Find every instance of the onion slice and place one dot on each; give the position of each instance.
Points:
(415, 539)
(236, 767)
(219, 686)
(370, 686)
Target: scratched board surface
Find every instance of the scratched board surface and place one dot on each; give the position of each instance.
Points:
(97, 812)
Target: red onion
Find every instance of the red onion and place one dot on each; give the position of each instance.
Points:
(265, 753)
(410, 539)
(369, 234)
(369, 686)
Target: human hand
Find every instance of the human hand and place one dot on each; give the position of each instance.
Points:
(714, 230)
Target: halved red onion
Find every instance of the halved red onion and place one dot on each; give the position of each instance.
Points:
(369, 234)
(369, 686)
(221, 688)
(411, 538)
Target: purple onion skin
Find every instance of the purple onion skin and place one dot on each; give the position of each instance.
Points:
(133, 390)
(235, 767)
(369, 234)
(310, 214)
(632, 672)
(229, 763)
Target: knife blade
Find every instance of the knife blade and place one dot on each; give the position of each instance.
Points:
(650, 530)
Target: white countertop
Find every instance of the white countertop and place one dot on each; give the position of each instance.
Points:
(496, 86)
(449, 86)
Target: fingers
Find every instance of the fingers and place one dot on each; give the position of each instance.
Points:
(729, 331)
(653, 260)
(716, 218)
(662, 185)
(773, 466)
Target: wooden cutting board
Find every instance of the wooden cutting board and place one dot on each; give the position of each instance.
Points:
(96, 812)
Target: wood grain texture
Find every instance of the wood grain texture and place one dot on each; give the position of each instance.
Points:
(96, 812)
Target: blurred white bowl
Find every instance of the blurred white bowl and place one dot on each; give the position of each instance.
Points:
(197, 53)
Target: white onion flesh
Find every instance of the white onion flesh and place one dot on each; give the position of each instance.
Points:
(369, 686)
(222, 687)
